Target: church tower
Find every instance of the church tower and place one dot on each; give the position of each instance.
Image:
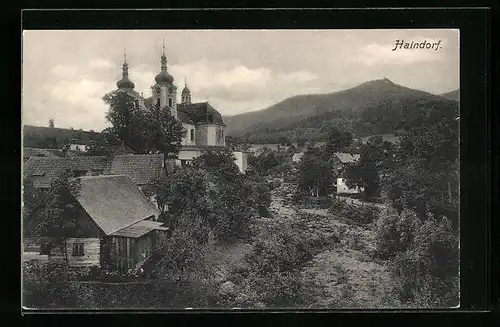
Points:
(125, 84)
(164, 91)
(186, 94)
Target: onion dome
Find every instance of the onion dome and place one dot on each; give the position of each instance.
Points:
(125, 83)
(164, 77)
(185, 90)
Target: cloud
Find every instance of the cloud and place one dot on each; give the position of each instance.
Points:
(374, 53)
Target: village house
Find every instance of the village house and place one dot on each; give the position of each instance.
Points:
(339, 162)
(297, 157)
(116, 225)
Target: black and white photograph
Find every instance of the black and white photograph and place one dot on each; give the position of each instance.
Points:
(251, 169)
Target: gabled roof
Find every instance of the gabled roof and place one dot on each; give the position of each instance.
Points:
(141, 168)
(113, 202)
(346, 157)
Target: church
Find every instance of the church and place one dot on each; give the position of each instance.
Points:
(203, 124)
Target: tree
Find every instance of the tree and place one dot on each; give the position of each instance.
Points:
(143, 130)
(428, 270)
(59, 213)
(264, 161)
(314, 173)
(376, 160)
(336, 141)
(301, 142)
(426, 172)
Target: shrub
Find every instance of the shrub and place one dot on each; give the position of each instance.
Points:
(395, 233)
(428, 268)
(364, 215)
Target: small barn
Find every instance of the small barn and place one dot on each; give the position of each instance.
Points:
(117, 225)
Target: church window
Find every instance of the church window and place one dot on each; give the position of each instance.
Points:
(158, 102)
(210, 118)
(192, 134)
(170, 102)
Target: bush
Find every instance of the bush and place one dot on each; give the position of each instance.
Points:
(360, 214)
(425, 258)
(395, 233)
(273, 277)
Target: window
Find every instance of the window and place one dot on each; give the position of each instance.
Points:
(192, 134)
(158, 102)
(77, 249)
(210, 118)
(170, 102)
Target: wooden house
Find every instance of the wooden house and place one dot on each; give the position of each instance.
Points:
(117, 225)
(340, 160)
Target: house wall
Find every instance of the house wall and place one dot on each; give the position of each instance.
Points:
(91, 252)
(343, 188)
(187, 139)
(241, 160)
(201, 135)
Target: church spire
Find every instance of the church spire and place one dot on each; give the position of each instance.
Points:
(164, 77)
(186, 93)
(125, 83)
(163, 58)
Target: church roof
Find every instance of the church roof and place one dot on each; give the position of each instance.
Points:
(194, 113)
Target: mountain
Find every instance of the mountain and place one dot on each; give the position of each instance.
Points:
(299, 107)
(374, 107)
(452, 95)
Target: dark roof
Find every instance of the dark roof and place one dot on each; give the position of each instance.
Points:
(35, 152)
(141, 168)
(114, 202)
(34, 134)
(194, 113)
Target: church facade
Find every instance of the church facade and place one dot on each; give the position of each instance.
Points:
(204, 125)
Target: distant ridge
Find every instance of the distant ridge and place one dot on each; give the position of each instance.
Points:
(452, 95)
(302, 112)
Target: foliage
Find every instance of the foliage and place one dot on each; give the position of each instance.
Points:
(376, 159)
(428, 269)
(59, 210)
(395, 232)
(273, 276)
(142, 130)
(264, 161)
(336, 141)
(426, 173)
(314, 173)
(362, 214)
(45, 285)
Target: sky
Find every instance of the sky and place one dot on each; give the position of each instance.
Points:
(65, 73)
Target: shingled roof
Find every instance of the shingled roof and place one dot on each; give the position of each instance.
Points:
(114, 202)
(346, 157)
(141, 168)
